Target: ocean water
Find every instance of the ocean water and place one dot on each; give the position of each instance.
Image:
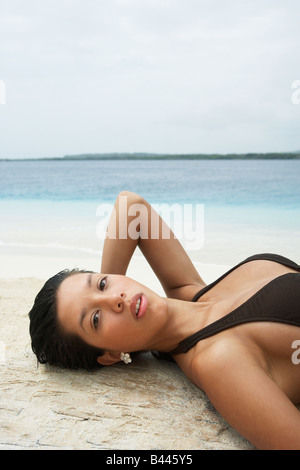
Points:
(248, 206)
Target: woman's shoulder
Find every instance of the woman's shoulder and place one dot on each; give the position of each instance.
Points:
(220, 354)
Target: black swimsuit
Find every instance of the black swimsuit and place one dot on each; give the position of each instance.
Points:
(278, 301)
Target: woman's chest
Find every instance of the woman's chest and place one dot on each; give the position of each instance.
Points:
(240, 287)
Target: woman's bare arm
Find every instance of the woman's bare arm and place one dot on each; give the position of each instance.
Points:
(135, 223)
(248, 398)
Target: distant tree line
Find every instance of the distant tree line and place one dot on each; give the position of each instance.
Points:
(167, 156)
(189, 156)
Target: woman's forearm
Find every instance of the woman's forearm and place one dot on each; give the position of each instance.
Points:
(118, 246)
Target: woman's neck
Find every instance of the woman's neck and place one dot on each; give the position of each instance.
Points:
(183, 319)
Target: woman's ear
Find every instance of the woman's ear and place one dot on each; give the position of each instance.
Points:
(108, 358)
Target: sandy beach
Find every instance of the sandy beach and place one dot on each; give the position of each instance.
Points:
(149, 405)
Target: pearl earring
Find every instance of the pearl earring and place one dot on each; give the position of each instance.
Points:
(125, 357)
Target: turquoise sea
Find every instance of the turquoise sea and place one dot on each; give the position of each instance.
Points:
(249, 206)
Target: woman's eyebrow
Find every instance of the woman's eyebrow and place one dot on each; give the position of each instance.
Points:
(89, 280)
(82, 317)
(84, 310)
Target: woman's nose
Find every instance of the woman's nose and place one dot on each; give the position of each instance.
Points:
(114, 301)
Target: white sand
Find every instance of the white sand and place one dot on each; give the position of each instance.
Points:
(148, 404)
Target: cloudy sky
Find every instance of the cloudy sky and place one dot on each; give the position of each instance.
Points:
(175, 76)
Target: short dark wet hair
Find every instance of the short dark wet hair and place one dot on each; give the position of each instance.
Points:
(50, 343)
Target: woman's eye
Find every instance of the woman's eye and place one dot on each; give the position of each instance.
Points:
(102, 283)
(96, 320)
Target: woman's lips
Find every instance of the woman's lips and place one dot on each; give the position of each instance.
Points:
(138, 305)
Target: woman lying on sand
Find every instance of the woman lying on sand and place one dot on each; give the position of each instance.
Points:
(236, 339)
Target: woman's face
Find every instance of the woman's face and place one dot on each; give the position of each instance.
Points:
(111, 312)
